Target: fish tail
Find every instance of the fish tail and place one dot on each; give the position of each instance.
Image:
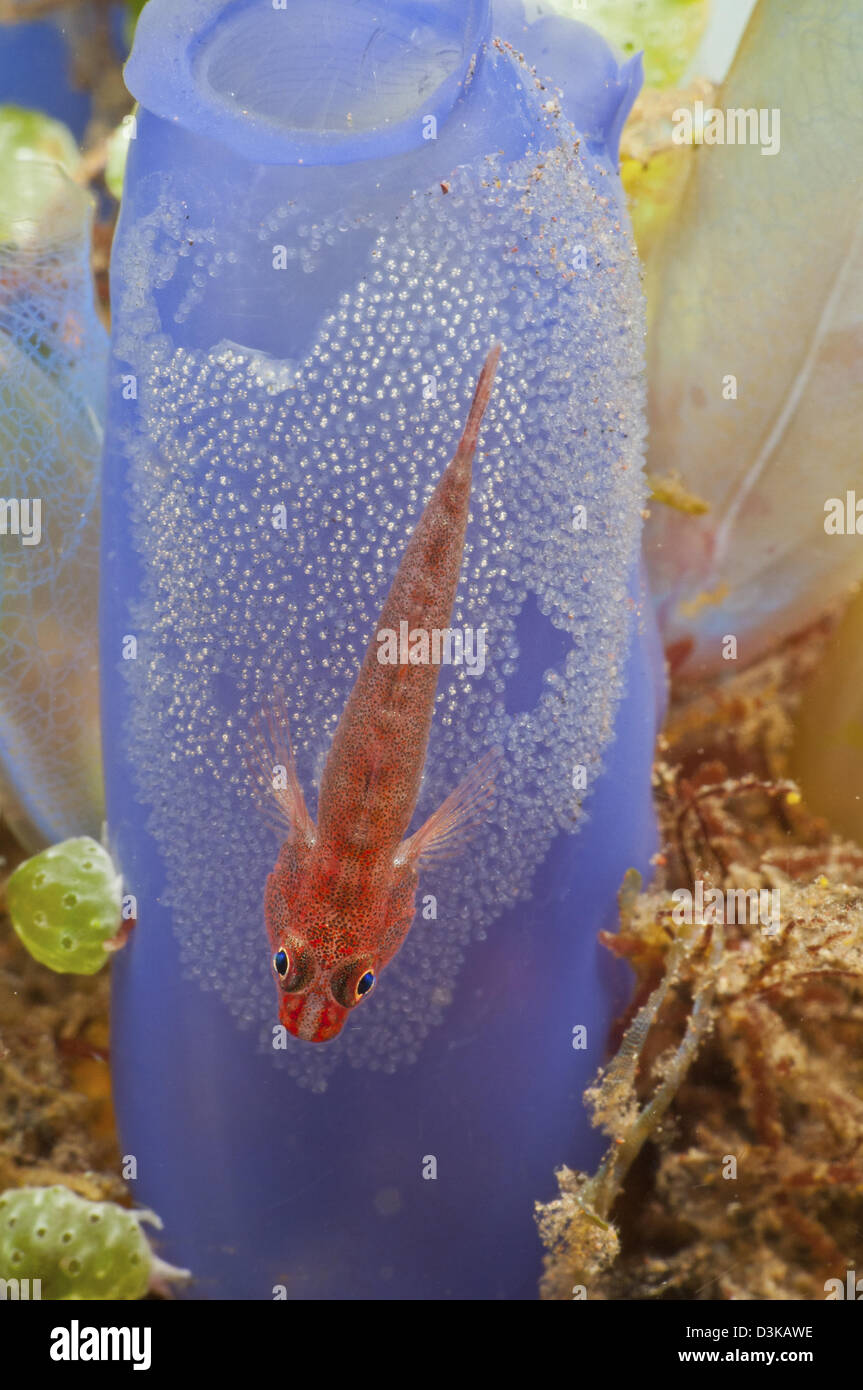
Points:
(481, 397)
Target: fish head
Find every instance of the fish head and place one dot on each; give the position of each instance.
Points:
(324, 964)
(325, 961)
(316, 1010)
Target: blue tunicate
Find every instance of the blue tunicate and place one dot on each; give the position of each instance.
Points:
(329, 215)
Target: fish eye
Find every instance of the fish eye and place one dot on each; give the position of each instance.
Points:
(351, 982)
(294, 966)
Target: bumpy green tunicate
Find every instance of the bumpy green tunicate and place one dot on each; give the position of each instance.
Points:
(31, 145)
(78, 1249)
(26, 135)
(65, 903)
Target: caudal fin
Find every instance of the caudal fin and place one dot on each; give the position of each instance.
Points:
(481, 398)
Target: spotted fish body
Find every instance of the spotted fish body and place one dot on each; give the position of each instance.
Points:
(341, 899)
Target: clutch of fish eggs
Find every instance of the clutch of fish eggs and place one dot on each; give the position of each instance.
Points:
(346, 444)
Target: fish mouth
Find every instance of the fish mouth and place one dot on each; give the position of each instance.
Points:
(312, 1017)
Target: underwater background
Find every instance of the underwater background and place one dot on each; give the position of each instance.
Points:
(245, 294)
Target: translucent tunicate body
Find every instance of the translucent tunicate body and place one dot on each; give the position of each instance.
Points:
(272, 501)
(299, 315)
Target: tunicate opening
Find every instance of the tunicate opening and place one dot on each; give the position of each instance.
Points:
(307, 81)
(379, 66)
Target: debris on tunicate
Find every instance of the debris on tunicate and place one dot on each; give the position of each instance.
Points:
(671, 492)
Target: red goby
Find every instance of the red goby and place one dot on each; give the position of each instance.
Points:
(341, 898)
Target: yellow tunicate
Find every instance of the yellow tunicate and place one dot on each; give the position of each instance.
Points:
(827, 755)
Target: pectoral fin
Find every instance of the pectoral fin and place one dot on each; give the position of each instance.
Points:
(270, 759)
(449, 828)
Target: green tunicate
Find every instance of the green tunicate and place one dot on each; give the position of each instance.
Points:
(65, 903)
(26, 135)
(33, 150)
(77, 1248)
